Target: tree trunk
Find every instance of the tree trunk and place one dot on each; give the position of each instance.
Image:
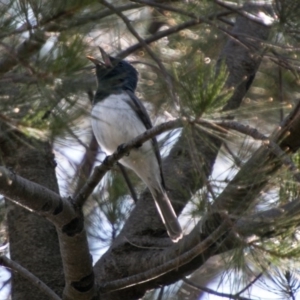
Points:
(33, 239)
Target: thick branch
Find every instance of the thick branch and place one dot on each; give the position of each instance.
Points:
(85, 168)
(69, 223)
(168, 266)
(34, 160)
(239, 194)
(124, 149)
(265, 223)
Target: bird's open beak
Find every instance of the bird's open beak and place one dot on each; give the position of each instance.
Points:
(94, 60)
(105, 57)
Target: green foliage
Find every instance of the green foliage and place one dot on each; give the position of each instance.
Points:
(40, 94)
(7, 20)
(202, 88)
(66, 56)
(285, 246)
(288, 12)
(286, 280)
(288, 186)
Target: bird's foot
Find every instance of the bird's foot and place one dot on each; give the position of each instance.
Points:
(121, 149)
(139, 145)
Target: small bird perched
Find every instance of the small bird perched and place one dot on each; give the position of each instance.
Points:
(118, 116)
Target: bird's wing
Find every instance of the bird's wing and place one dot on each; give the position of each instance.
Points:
(142, 113)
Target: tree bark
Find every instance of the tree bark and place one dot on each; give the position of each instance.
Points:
(33, 239)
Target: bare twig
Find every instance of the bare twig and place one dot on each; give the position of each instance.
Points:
(109, 161)
(165, 73)
(89, 17)
(255, 134)
(53, 24)
(210, 291)
(263, 223)
(209, 19)
(249, 284)
(161, 294)
(166, 7)
(235, 158)
(15, 267)
(170, 31)
(280, 92)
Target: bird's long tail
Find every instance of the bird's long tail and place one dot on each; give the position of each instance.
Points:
(167, 215)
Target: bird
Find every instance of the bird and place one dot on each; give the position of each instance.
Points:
(117, 117)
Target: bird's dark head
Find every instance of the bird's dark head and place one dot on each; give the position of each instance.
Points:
(113, 74)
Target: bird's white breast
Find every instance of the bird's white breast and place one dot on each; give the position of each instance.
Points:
(114, 122)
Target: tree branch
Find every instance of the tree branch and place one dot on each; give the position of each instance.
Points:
(89, 17)
(166, 7)
(168, 266)
(268, 142)
(170, 31)
(141, 278)
(122, 150)
(210, 291)
(15, 267)
(84, 169)
(255, 174)
(69, 224)
(263, 223)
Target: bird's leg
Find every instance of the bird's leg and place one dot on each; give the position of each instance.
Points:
(121, 149)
